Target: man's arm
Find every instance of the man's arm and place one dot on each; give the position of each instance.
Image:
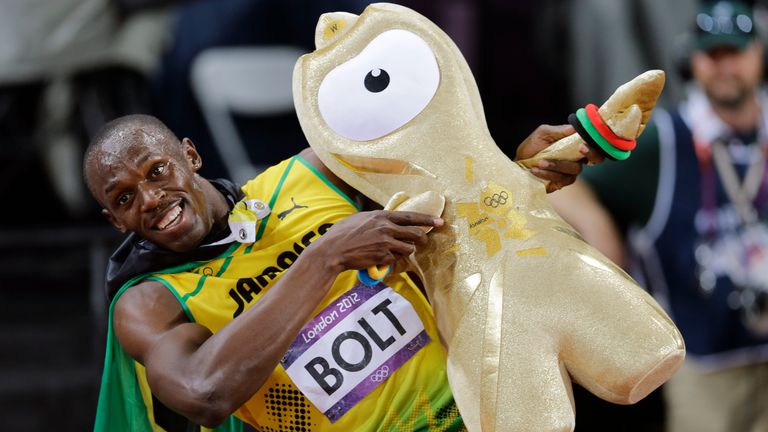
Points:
(207, 376)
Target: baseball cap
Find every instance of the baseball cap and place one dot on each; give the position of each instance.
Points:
(724, 23)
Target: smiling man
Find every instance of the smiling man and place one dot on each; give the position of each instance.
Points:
(183, 209)
(228, 300)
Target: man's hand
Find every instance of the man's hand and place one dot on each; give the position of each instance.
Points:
(558, 173)
(373, 238)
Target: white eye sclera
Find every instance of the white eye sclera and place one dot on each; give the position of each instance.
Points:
(384, 87)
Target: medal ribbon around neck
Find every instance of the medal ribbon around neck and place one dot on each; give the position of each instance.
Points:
(740, 193)
(714, 157)
(242, 220)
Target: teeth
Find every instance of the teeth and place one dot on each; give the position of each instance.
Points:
(169, 217)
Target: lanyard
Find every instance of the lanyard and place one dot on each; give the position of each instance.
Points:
(715, 161)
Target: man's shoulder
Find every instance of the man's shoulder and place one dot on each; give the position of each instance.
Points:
(146, 307)
(144, 295)
(141, 313)
(302, 170)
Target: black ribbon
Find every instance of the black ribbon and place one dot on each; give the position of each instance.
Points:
(574, 121)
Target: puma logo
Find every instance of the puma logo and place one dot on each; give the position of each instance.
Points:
(283, 214)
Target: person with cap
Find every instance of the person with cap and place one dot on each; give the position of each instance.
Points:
(697, 224)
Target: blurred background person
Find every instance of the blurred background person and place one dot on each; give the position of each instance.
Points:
(693, 199)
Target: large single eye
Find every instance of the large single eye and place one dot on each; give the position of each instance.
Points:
(384, 87)
(376, 80)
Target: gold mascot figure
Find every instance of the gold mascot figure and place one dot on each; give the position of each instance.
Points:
(523, 305)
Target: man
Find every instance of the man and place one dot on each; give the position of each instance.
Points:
(248, 301)
(697, 215)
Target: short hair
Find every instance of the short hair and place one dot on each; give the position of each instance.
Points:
(118, 130)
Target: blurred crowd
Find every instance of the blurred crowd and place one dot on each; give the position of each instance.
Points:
(218, 71)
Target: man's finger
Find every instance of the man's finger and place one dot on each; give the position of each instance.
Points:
(410, 234)
(563, 167)
(414, 219)
(555, 133)
(553, 187)
(555, 178)
(593, 156)
(401, 249)
(416, 235)
(541, 138)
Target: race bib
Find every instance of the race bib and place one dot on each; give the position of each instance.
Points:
(352, 346)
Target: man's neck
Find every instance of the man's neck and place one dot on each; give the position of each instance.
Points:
(743, 118)
(218, 205)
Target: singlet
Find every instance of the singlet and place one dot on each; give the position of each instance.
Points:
(369, 359)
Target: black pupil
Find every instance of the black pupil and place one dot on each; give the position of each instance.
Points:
(376, 80)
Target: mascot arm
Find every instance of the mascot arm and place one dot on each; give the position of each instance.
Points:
(430, 202)
(611, 129)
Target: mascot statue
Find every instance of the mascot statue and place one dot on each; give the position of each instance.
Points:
(523, 305)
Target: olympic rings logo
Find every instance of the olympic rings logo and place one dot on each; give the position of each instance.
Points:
(381, 374)
(497, 199)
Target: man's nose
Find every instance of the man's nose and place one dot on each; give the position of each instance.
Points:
(727, 61)
(150, 196)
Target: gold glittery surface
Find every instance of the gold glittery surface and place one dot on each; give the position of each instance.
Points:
(363, 164)
(539, 251)
(469, 169)
(522, 304)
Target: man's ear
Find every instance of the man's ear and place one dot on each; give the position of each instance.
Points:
(111, 218)
(190, 152)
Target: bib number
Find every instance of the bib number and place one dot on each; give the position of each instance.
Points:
(352, 346)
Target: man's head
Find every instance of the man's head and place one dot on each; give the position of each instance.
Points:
(728, 57)
(145, 179)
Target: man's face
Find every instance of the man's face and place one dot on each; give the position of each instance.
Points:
(149, 186)
(728, 75)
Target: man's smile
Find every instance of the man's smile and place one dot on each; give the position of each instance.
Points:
(170, 217)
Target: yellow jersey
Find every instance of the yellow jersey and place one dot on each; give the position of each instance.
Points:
(369, 359)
